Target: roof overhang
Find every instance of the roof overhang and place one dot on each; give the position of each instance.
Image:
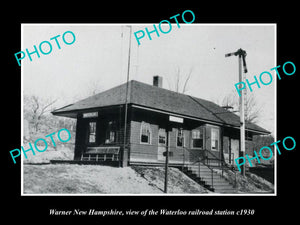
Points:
(74, 113)
(199, 119)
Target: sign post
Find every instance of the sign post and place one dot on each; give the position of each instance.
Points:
(167, 152)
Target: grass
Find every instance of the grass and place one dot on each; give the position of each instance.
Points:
(96, 179)
(251, 183)
(82, 179)
(178, 181)
(65, 152)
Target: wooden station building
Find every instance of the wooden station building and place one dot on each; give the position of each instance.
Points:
(156, 118)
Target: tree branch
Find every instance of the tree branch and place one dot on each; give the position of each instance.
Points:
(187, 80)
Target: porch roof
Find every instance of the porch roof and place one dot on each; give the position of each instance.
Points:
(156, 98)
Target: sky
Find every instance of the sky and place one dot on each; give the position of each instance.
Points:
(98, 59)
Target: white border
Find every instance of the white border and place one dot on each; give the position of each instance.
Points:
(141, 24)
(22, 103)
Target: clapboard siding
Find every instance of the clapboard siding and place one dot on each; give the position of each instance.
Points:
(135, 151)
(149, 152)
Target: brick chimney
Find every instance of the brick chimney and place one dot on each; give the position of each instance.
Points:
(157, 81)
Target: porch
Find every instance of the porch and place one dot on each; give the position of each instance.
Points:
(115, 155)
(179, 157)
(203, 166)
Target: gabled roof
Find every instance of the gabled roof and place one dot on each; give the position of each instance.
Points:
(153, 97)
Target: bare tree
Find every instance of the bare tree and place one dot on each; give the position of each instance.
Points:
(35, 108)
(252, 109)
(180, 81)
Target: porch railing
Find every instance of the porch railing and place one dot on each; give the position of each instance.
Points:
(191, 157)
(209, 160)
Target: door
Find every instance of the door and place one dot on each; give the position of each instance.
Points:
(162, 143)
(234, 149)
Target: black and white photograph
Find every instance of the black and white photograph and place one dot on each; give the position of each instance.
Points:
(160, 116)
(144, 115)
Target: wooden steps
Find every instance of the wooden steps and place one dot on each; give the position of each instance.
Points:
(209, 178)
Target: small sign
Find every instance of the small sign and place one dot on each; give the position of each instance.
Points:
(175, 119)
(90, 115)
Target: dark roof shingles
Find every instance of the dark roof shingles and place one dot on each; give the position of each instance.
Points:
(162, 99)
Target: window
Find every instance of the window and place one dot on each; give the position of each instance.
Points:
(197, 138)
(145, 133)
(215, 139)
(92, 132)
(162, 136)
(111, 132)
(180, 138)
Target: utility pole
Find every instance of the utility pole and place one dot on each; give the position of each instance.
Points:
(126, 101)
(167, 161)
(167, 153)
(242, 59)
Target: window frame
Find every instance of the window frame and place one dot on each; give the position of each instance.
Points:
(148, 127)
(160, 132)
(218, 138)
(89, 132)
(183, 138)
(200, 129)
(111, 127)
